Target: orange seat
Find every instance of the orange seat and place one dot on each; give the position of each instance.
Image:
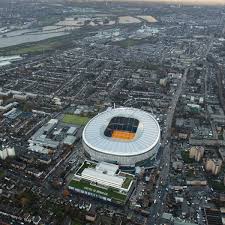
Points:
(123, 135)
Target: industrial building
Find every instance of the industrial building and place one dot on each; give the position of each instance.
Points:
(103, 180)
(39, 142)
(69, 140)
(51, 136)
(126, 136)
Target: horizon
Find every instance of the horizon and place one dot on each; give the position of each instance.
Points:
(185, 2)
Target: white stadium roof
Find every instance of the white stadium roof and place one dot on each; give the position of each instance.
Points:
(146, 136)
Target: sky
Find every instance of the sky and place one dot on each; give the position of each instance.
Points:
(197, 2)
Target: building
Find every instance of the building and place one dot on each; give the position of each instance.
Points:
(178, 165)
(12, 114)
(3, 153)
(7, 107)
(34, 172)
(168, 218)
(213, 216)
(45, 159)
(40, 142)
(28, 158)
(163, 82)
(196, 182)
(201, 100)
(222, 153)
(72, 131)
(103, 180)
(213, 166)
(125, 136)
(22, 97)
(6, 152)
(90, 216)
(196, 153)
(69, 140)
(194, 108)
(18, 165)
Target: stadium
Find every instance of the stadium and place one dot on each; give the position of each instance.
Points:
(126, 136)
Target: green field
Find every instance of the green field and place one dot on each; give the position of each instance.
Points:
(39, 48)
(2, 173)
(185, 157)
(77, 222)
(135, 42)
(127, 181)
(74, 119)
(44, 46)
(84, 166)
(216, 185)
(33, 48)
(49, 20)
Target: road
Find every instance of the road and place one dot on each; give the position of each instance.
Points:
(160, 192)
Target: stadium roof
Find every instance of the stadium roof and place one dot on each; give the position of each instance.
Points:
(146, 136)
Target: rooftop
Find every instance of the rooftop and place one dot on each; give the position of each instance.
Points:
(104, 174)
(104, 179)
(122, 131)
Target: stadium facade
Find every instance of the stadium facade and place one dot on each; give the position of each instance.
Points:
(126, 136)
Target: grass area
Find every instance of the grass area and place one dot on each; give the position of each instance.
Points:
(190, 173)
(49, 20)
(40, 48)
(143, 65)
(84, 166)
(108, 193)
(217, 186)
(74, 119)
(127, 181)
(27, 200)
(76, 222)
(133, 42)
(129, 42)
(2, 173)
(220, 137)
(185, 157)
(33, 48)
(44, 46)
